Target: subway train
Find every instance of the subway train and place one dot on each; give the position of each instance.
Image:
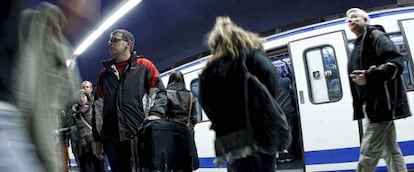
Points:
(315, 58)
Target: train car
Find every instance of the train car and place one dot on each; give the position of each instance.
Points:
(315, 58)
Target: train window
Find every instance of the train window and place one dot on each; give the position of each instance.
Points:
(323, 76)
(408, 73)
(194, 86)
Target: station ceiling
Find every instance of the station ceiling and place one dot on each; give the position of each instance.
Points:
(169, 32)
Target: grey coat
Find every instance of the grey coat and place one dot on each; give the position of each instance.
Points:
(44, 83)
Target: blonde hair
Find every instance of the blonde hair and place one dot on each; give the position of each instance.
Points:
(360, 13)
(83, 92)
(226, 38)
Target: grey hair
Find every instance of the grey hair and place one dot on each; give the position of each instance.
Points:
(86, 82)
(360, 13)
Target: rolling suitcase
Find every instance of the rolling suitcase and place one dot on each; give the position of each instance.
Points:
(166, 145)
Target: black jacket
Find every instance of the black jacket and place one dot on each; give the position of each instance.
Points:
(384, 93)
(179, 100)
(222, 97)
(122, 98)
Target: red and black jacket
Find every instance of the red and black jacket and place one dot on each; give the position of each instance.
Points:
(122, 98)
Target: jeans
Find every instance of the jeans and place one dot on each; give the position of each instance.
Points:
(17, 153)
(106, 164)
(254, 163)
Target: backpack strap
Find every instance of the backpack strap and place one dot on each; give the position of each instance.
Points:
(190, 108)
(85, 122)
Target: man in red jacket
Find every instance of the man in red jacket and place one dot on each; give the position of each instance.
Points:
(121, 87)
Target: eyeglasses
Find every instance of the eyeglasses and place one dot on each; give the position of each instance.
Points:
(115, 40)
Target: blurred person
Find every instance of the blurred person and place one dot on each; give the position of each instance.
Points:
(44, 82)
(285, 101)
(17, 152)
(378, 93)
(223, 97)
(82, 16)
(122, 110)
(181, 103)
(81, 114)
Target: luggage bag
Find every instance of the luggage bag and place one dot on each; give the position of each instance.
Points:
(166, 145)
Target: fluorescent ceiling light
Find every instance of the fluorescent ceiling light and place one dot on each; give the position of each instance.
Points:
(121, 11)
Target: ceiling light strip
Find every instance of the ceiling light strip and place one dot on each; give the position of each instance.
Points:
(121, 11)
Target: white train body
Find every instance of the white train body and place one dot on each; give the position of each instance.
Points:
(318, 56)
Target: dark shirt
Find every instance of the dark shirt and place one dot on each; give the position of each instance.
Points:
(356, 58)
(356, 54)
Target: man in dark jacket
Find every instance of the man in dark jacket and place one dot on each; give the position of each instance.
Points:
(378, 92)
(120, 89)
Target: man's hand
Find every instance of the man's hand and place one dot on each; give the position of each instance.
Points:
(83, 142)
(97, 149)
(152, 117)
(358, 76)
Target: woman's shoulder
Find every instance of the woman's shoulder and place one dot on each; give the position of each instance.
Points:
(217, 66)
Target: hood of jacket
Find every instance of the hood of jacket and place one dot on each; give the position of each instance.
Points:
(176, 81)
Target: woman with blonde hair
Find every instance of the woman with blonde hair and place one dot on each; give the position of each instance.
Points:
(223, 96)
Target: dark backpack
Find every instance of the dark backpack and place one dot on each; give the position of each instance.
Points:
(270, 127)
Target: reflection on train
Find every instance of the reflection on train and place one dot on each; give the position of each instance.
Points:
(314, 58)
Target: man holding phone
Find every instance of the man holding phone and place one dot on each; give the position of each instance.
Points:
(378, 92)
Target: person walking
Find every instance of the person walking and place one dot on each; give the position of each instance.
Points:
(378, 92)
(223, 97)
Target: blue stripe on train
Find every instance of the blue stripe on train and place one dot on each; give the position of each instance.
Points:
(379, 169)
(209, 163)
(347, 154)
(330, 156)
(321, 157)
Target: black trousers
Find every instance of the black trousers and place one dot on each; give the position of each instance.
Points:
(89, 163)
(119, 155)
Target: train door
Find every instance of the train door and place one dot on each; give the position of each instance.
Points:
(293, 159)
(405, 127)
(330, 136)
